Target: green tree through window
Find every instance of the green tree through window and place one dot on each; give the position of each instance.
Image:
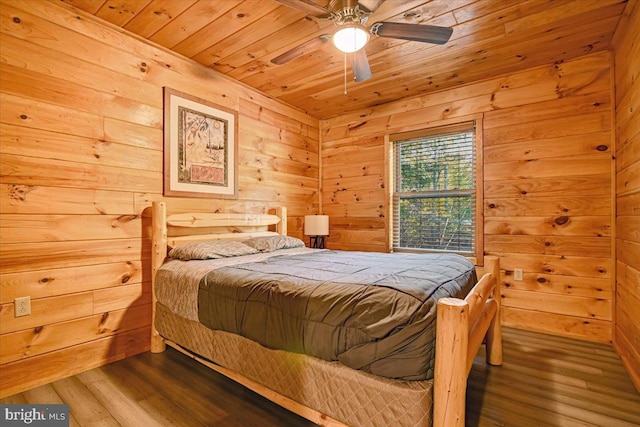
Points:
(434, 190)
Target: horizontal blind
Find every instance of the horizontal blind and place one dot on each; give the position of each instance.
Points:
(434, 190)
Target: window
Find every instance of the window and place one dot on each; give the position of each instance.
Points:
(434, 189)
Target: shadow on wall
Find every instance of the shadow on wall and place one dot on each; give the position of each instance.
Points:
(131, 325)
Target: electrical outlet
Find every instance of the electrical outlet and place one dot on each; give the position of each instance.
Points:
(517, 274)
(22, 306)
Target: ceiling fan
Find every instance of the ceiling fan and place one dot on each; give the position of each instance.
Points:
(351, 35)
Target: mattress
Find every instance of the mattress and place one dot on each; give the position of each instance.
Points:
(373, 312)
(353, 397)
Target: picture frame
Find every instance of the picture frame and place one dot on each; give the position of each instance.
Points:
(200, 147)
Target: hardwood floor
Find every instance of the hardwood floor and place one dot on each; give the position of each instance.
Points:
(545, 381)
(552, 381)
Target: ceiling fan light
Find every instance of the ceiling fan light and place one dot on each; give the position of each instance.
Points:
(350, 38)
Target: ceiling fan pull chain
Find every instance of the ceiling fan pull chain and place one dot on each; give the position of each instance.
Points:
(345, 74)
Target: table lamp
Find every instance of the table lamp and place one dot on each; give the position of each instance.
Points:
(316, 226)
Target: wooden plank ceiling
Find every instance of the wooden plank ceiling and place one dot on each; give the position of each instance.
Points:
(490, 37)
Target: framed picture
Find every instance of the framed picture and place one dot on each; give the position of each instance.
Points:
(200, 147)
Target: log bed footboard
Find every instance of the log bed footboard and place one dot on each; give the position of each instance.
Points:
(462, 326)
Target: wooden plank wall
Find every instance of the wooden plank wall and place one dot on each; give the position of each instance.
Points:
(80, 161)
(547, 190)
(627, 113)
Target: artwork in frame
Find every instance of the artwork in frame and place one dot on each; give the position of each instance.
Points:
(200, 147)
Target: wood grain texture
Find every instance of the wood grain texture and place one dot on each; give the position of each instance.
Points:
(240, 39)
(80, 163)
(627, 184)
(547, 166)
(86, 149)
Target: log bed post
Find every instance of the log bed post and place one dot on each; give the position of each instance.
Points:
(494, 333)
(158, 254)
(281, 227)
(450, 376)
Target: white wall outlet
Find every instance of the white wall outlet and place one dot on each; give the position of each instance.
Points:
(517, 274)
(22, 306)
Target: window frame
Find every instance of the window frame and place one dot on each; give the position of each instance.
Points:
(435, 128)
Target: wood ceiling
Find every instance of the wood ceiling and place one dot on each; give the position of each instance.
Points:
(490, 37)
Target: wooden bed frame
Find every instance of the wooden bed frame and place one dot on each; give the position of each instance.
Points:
(462, 325)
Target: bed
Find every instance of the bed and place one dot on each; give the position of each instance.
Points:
(393, 373)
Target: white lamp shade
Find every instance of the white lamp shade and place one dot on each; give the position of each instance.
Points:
(316, 225)
(350, 38)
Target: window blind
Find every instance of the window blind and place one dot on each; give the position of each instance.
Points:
(434, 189)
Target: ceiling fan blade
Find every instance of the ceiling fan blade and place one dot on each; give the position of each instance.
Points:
(302, 49)
(371, 5)
(308, 7)
(360, 66)
(414, 32)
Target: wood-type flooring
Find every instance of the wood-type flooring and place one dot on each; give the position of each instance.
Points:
(545, 381)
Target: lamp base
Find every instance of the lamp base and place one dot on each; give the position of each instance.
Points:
(316, 242)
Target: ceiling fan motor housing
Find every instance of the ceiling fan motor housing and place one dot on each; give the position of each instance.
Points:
(348, 11)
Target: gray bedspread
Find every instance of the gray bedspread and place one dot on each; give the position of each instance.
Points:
(370, 311)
